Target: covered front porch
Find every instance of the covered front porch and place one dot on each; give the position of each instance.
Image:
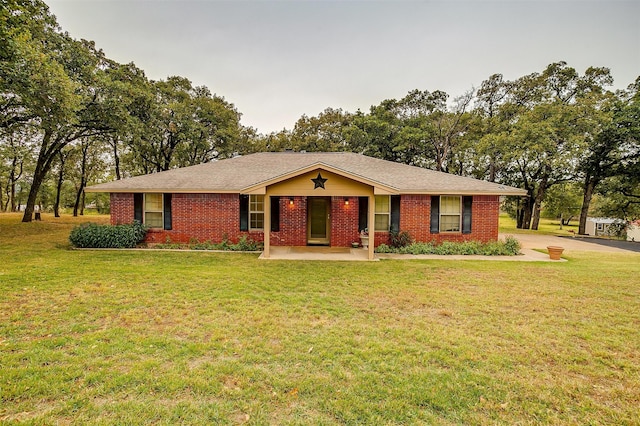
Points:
(319, 208)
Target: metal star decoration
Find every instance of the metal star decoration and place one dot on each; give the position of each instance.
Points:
(319, 182)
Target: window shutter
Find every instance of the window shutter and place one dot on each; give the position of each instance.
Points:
(167, 212)
(435, 214)
(395, 213)
(137, 207)
(275, 214)
(363, 203)
(466, 214)
(244, 212)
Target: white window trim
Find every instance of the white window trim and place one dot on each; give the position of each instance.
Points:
(161, 211)
(459, 215)
(387, 213)
(251, 198)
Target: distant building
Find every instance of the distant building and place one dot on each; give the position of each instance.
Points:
(598, 226)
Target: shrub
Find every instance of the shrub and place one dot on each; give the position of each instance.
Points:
(246, 244)
(509, 247)
(92, 235)
(400, 239)
(512, 245)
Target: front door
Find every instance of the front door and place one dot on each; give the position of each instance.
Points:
(318, 220)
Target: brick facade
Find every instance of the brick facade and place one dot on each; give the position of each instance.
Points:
(415, 212)
(213, 217)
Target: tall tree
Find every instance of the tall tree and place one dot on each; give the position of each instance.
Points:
(613, 151)
(322, 133)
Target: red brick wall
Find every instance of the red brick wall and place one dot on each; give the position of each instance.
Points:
(293, 223)
(213, 217)
(121, 208)
(415, 212)
(344, 221)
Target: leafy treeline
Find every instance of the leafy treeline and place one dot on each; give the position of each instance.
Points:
(69, 116)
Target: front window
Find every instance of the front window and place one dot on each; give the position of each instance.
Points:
(153, 210)
(382, 210)
(256, 212)
(450, 214)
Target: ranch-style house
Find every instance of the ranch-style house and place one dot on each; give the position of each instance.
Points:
(307, 199)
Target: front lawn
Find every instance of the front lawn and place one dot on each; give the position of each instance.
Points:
(139, 337)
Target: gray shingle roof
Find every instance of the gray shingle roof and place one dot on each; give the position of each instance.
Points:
(237, 174)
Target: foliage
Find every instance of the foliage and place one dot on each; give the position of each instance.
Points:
(244, 243)
(92, 235)
(509, 247)
(563, 202)
(400, 238)
(618, 229)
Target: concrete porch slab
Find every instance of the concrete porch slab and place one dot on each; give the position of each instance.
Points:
(317, 253)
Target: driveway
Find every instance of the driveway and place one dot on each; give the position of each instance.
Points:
(534, 241)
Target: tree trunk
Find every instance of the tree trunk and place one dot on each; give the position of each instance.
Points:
(524, 216)
(43, 165)
(56, 206)
(83, 179)
(587, 195)
(116, 157)
(76, 206)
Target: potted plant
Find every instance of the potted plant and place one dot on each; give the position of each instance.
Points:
(355, 244)
(364, 238)
(555, 252)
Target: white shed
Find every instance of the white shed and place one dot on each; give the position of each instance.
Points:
(598, 226)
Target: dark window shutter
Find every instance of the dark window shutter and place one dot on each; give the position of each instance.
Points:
(395, 213)
(137, 207)
(363, 213)
(167, 212)
(275, 214)
(244, 212)
(466, 214)
(435, 214)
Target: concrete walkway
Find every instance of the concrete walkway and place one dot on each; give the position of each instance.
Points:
(317, 253)
(530, 242)
(534, 241)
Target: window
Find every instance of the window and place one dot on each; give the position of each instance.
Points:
(450, 214)
(600, 226)
(382, 210)
(256, 212)
(153, 216)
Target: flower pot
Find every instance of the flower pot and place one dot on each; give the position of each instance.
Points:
(364, 241)
(555, 252)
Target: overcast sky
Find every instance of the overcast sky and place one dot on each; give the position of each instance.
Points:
(277, 60)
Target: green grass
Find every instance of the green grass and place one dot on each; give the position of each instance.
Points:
(139, 337)
(546, 226)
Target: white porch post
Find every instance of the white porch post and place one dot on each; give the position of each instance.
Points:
(372, 224)
(267, 226)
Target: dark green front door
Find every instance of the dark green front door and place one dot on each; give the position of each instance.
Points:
(318, 220)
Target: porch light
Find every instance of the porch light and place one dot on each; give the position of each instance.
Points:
(346, 201)
(290, 201)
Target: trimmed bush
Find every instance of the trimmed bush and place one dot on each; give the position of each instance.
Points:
(509, 247)
(244, 244)
(92, 235)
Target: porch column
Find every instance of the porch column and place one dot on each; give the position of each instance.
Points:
(267, 226)
(372, 224)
